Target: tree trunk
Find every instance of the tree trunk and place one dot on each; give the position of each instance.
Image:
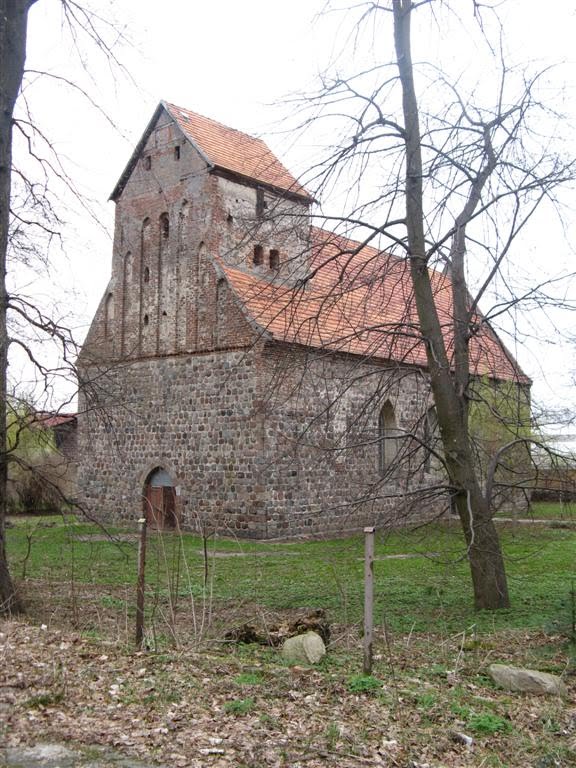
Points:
(450, 396)
(13, 25)
(484, 553)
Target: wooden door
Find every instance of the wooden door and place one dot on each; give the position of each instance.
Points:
(160, 507)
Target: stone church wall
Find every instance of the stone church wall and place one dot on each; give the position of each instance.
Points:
(195, 417)
(322, 442)
(269, 442)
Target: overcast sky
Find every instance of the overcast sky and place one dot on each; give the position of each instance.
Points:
(238, 63)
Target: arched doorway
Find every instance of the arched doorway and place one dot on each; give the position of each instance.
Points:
(160, 500)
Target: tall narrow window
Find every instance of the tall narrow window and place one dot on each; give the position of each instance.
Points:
(148, 162)
(260, 203)
(387, 433)
(274, 259)
(164, 226)
(177, 152)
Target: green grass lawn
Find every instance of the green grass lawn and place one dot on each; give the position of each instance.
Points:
(422, 581)
(544, 510)
(551, 510)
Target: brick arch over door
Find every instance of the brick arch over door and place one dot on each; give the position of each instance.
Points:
(160, 500)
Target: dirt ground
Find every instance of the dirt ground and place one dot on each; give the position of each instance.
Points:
(212, 704)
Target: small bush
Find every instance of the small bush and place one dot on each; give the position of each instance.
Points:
(364, 684)
(239, 706)
(249, 678)
(45, 700)
(488, 722)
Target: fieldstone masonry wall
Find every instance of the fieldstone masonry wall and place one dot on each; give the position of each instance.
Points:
(245, 457)
(321, 450)
(193, 415)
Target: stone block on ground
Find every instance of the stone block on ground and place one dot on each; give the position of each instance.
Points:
(526, 680)
(308, 648)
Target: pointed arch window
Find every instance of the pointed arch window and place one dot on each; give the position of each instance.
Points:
(387, 437)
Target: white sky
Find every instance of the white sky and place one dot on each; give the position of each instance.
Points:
(236, 62)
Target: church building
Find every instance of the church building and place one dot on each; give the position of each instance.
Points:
(246, 371)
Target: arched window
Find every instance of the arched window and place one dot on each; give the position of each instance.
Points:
(431, 437)
(159, 478)
(164, 226)
(387, 433)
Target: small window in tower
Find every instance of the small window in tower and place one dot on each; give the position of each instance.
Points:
(146, 319)
(260, 203)
(258, 257)
(274, 259)
(148, 162)
(177, 152)
(146, 275)
(230, 219)
(165, 226)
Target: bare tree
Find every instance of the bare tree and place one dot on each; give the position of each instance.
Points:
(13, 26)
(29, 213)
(452, 176)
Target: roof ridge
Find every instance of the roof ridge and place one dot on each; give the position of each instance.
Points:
(250, 136)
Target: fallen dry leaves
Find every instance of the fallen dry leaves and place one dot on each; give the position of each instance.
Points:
(224, 706)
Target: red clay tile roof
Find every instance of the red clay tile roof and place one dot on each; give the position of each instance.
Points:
(47, 420)
(360, 301)
(235, 151)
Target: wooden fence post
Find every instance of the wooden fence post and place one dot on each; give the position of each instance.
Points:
(368, 597)
(141, 583)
